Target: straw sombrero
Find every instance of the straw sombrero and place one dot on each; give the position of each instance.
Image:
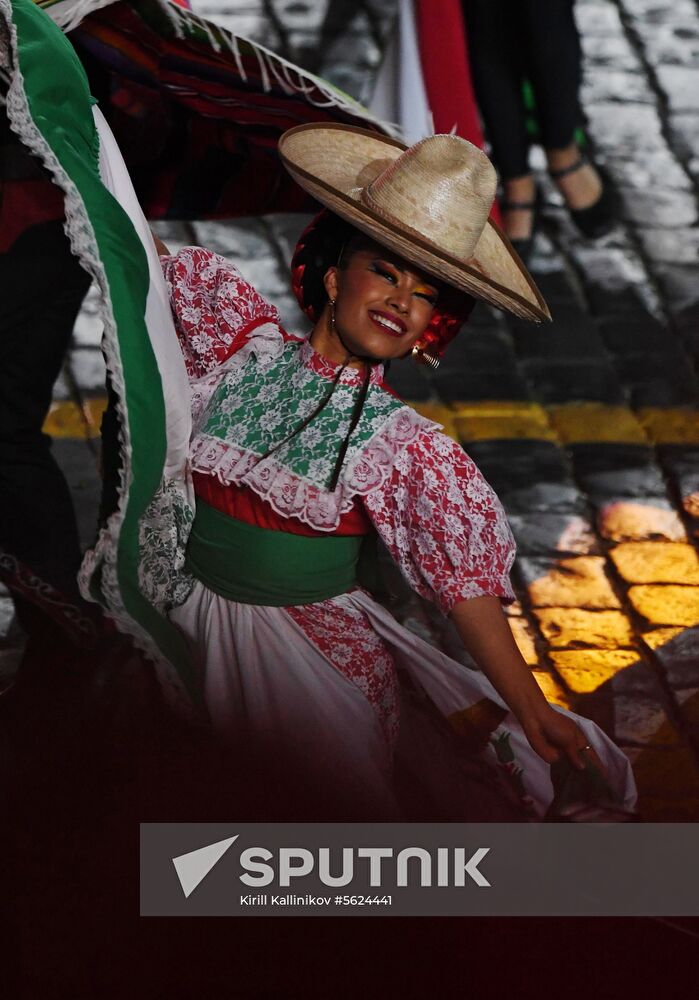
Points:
(429, 203)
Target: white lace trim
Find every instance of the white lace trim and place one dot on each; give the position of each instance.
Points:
(289, 494)
(83, 243)
(163, 534)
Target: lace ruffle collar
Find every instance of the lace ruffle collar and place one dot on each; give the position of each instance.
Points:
(319, 365)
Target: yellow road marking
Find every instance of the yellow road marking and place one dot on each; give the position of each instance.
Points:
(595, 422)
(491, 420)
(498, 420)
(671, 426)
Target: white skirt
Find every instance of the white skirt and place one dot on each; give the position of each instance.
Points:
(266, 683)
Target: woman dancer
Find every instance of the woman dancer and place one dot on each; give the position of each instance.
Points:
(264, 627)
(300, 453)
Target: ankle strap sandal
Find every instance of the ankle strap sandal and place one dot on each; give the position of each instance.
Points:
(523, 246)
(582, 161)
(599, 218)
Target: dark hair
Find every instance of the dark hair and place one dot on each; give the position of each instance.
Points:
(356, 241)
(322, 244)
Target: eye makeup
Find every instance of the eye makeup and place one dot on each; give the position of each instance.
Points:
(430, 294)
(383, 270)
(390, 272)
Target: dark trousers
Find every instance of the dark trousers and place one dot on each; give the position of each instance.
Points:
(514, 40)
(41, 288)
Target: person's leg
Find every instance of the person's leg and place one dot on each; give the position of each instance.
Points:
(496, 59)
(551, 45)
(553, 66)
(496, 64)
(41, 288)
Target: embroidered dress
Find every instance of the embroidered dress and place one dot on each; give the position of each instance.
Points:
(320, 678)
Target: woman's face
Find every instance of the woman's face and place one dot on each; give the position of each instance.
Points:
(383, 305)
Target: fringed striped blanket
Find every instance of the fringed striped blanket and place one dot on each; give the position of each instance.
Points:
(196, 111)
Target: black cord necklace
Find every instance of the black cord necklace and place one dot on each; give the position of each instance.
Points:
(356, 416)
(357, 411)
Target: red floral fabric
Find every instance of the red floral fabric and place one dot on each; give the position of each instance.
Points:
(443, 524)
(215, 309)
(438, 517)
(345, 636)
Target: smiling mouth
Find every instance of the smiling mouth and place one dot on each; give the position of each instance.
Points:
(389, 325)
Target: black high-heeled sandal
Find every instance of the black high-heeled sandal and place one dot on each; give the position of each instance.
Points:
(599, 218)
(524, 245)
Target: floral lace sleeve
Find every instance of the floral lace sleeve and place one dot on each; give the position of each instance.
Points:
(443, 524)
(215, 309)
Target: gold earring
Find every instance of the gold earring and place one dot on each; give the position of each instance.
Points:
(423, 357)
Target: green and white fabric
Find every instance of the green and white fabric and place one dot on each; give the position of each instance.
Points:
(50, 108)
(277, 396)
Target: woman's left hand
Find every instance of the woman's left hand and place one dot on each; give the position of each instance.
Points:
(551, 734)
(487, 636)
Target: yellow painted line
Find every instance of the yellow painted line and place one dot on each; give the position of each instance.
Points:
(498, 407)
(668, 426)
(570, 423)
(585, 670)
(67, 420)
(524, 638)
(595, 422)
(493, 420)
(552, 691)
(661, 636)
(656, 562)
(666, 604)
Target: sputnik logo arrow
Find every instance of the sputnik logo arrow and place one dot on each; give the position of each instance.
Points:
(191, 868)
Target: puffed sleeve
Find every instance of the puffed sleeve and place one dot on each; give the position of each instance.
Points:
(216, 311)
(443, 524)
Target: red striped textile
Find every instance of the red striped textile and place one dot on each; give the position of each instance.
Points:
(199, 137)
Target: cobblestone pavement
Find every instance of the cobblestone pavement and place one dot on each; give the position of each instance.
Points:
(589, 429)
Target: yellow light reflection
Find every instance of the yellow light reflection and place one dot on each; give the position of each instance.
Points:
(68, 420)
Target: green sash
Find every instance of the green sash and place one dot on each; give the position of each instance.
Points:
(252, 565)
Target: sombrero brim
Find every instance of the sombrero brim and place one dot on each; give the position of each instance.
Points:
(334, 162)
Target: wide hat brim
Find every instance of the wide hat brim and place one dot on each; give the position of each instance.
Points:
(333, 163)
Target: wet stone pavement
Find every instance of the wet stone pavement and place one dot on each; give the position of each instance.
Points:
(588, 429)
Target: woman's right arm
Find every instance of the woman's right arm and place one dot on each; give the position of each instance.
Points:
(214, 308)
